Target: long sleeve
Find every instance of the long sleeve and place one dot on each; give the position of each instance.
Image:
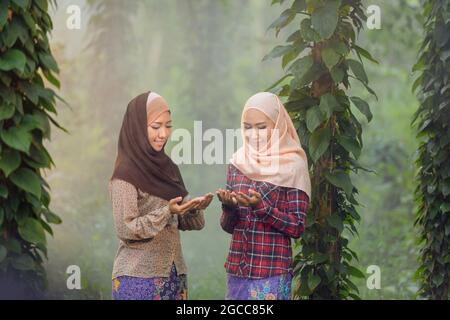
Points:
(289, 220)
(194, 220)
(230, 215)
(229, 219)
(129, 225)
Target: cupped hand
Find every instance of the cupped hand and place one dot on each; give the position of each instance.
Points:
(227, 198)
(176, 207)
(206, 200)
(251, 200)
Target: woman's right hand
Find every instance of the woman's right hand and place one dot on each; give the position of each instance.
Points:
(176, 207)
(227, 198)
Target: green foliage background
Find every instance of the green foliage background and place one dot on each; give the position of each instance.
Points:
(204, 57)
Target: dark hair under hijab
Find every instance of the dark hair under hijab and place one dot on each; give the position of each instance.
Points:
(138, 163)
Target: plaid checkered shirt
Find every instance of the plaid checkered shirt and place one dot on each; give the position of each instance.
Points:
(261, 235)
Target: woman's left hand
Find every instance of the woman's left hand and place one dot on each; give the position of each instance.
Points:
(248, 201)
(204, 201)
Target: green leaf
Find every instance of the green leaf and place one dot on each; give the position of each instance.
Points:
(336, 222)
(330, 57)
(278, 51)
(358, 70)
(299, 5)
(283, 20)
(22, 3)
(284, 78)
(27, 180)
(32, 230)
(51, 78)
(329, 104)
(30, 90)
(363, 107)
(350, 144)
(2, 216)
(17, 138)
(365, 54)
(42, 4)
(319, 142)
(337, 74)
(13, 245)
(445, 207)
(37, 120)
(295, 36)
(48, 61)
(9, 161)
(51, 217)
(438, 279)
(301, 66)
(307, 32)
(313, 281)
(39, 158)
(355, 272)
(314, 117)
(3, 13)
(3, 191)
(291, 55)
(341, 180)
(6, 111)
(319, 258)
(3, 253)
(13, 59)
(325, 19)
(23, 262)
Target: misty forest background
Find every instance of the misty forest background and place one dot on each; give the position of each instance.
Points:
(205, 57)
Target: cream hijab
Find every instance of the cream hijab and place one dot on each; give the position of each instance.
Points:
(281, 161)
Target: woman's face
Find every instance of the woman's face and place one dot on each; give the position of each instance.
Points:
(258, 128)
(159, 131)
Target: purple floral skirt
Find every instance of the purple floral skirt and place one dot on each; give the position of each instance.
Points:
(272, 288)
(173, 287)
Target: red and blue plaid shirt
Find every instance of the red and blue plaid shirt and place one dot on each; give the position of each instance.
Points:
(261, 242)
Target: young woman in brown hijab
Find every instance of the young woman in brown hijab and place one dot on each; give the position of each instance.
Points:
(150, 205)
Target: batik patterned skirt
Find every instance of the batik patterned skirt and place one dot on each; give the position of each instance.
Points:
(173, 287)
(272, 288)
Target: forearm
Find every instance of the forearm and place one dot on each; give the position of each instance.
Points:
(290, 222)
(229, 219)
(146, 226)
(194, 220)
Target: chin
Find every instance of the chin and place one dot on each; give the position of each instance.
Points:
(157, 148)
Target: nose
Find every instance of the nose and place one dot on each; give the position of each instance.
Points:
(163, 133)
(254, 134)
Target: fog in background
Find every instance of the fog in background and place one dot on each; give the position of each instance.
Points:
(204, 57)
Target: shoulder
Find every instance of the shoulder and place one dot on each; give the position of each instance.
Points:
(122, 187)
(232, 170)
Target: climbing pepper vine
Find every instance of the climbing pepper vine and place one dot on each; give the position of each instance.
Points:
(26, 105)
(432, 118)
(321, 60)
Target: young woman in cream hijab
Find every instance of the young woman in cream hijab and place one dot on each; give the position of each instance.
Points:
(265, 202)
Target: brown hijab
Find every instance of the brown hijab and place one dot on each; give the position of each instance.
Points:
(137, 162)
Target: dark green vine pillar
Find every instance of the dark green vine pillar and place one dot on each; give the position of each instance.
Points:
(26, 105)
(320, 58)
(433, 124)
